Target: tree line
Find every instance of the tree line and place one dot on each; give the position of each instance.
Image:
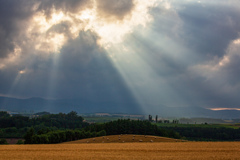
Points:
(17, 126)
(207, 133)
(59, 136)
(127, 126)
(95, 130)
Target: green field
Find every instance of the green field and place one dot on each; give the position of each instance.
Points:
(106, 119)
(234, 126)
(100, 119)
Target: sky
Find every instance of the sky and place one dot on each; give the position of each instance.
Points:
(154, 53)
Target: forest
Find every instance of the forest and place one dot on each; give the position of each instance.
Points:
(126, 126)
(56, 128)
(17, 126)
(207, 133)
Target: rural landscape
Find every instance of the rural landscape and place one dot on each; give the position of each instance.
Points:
(120, 79)
(70, 136)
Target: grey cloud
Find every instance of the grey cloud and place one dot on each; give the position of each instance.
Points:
(177, 39)
(205, 30)
(209, 29)
(72, 6)
(114, 8)
(61, 28)
(14, 17)
(87, 72)
(232, 70)
(6, 46)
(81, 70)
(186, 35)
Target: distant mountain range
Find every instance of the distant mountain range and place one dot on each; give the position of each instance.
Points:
(33, 105)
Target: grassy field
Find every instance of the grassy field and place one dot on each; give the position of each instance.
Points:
(101, 119)
(106, 119)
(119, 151)
(128, 138)
(234, 126)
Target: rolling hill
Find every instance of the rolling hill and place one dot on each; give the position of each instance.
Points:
(126, 138)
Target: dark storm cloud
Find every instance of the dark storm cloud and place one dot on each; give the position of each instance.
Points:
(200, 31)
(80, 70)
(182, 48)
(114, 8)
(14, 15)
(87, 72)
(232, 70)
(183, 37)
(209, 29)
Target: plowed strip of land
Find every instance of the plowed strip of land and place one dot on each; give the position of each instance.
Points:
(119, 151)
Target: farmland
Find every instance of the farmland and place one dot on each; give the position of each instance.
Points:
(125, 139)
(233, 126)
(164, 150)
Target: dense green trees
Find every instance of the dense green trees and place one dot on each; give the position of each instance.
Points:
(208, 133)
(132, 127)
(4, 114)
(20, 141)
(17, 126)
(59, 136)
(61, 120)
(3, 141)
(15, 121)
(29, 136)
(95, 130)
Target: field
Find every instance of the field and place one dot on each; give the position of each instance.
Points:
(234, 126)
(119, 151)
(105, 119)
(128, 138)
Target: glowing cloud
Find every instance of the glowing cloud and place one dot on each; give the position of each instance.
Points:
(52, 24)
(225, 109)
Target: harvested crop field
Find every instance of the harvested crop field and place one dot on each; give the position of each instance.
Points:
(164, 150)
(125, 138)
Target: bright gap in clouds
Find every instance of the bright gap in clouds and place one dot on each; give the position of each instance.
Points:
(54, 31)
(51, 33)
(225, 109)
(48, 33)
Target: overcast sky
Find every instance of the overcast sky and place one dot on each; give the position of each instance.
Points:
(154, 52)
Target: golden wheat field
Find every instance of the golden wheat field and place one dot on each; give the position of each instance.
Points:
(119, 151)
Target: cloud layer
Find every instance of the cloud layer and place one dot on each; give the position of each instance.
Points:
(156, 53)
(114, 8)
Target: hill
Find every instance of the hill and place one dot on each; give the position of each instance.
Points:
(33, 105)
(126, 138)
